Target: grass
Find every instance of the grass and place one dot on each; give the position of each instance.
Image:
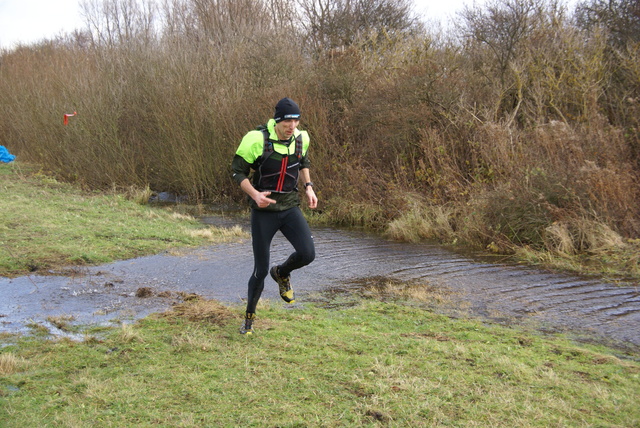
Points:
(46, 224)
(379, 353)
(374, 363)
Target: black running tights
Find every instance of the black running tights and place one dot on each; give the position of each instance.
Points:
(264, 225)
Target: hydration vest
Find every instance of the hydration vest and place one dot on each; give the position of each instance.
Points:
(277, 172)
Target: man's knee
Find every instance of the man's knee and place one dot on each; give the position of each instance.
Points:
(261, 273)
(307, 256)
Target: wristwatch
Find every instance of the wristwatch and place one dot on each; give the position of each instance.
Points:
(307, 184)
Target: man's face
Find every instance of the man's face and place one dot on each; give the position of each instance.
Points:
(285, 128)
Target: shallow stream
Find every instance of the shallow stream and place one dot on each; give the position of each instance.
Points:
(477, 286)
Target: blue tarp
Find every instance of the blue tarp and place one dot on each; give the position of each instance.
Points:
(5, 156)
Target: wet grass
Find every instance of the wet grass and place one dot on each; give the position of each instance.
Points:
(46, 225)
(377, 353)
(372, 363)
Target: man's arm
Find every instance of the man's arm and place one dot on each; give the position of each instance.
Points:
(240, 168)
(311, 194)
(261, 198)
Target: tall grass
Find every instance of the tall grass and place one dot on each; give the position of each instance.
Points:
(549, 137)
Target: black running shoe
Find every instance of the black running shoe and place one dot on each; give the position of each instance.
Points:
(286, 292)
(247, 325)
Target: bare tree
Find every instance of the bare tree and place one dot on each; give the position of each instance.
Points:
(620, 17)
(112, 22)
(339, 23)
(501, 25)
(224, 22)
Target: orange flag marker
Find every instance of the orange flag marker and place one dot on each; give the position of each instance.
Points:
(67, 116)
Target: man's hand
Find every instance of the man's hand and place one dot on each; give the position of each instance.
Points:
(262, 199)
(311, 197)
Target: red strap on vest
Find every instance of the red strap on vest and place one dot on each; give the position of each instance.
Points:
(283, 173)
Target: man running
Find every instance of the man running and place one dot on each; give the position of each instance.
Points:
(278, 155)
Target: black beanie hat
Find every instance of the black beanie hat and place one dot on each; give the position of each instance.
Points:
(286, 109)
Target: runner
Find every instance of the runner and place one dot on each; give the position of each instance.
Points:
(277, 153)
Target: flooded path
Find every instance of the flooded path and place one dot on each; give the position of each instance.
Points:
(495, 291)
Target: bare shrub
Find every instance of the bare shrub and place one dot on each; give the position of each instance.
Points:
(560, 75)
(331, 24)
(501, 26)
(613, 193)
(621, 18)
(119, 22)
(514, 214)
(593, 160)
(552, 177)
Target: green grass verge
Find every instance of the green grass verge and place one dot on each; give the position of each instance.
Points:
(374, 363)
(46, 224)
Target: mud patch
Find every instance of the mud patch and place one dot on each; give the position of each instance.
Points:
(197, 309)
(144, 292)
(429, 295)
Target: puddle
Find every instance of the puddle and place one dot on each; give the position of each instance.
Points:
(131, 289)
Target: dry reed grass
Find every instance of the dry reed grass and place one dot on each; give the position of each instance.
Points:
(10, 364)
(422, 221)
(381, 288)
(581, 236)
(128, 334)
(221, 234)
(61, 321)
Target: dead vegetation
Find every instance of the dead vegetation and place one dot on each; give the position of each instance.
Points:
(519, 130)
(10, 364)
(196, 309)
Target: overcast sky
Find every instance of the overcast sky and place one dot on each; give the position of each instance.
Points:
(28, 21)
